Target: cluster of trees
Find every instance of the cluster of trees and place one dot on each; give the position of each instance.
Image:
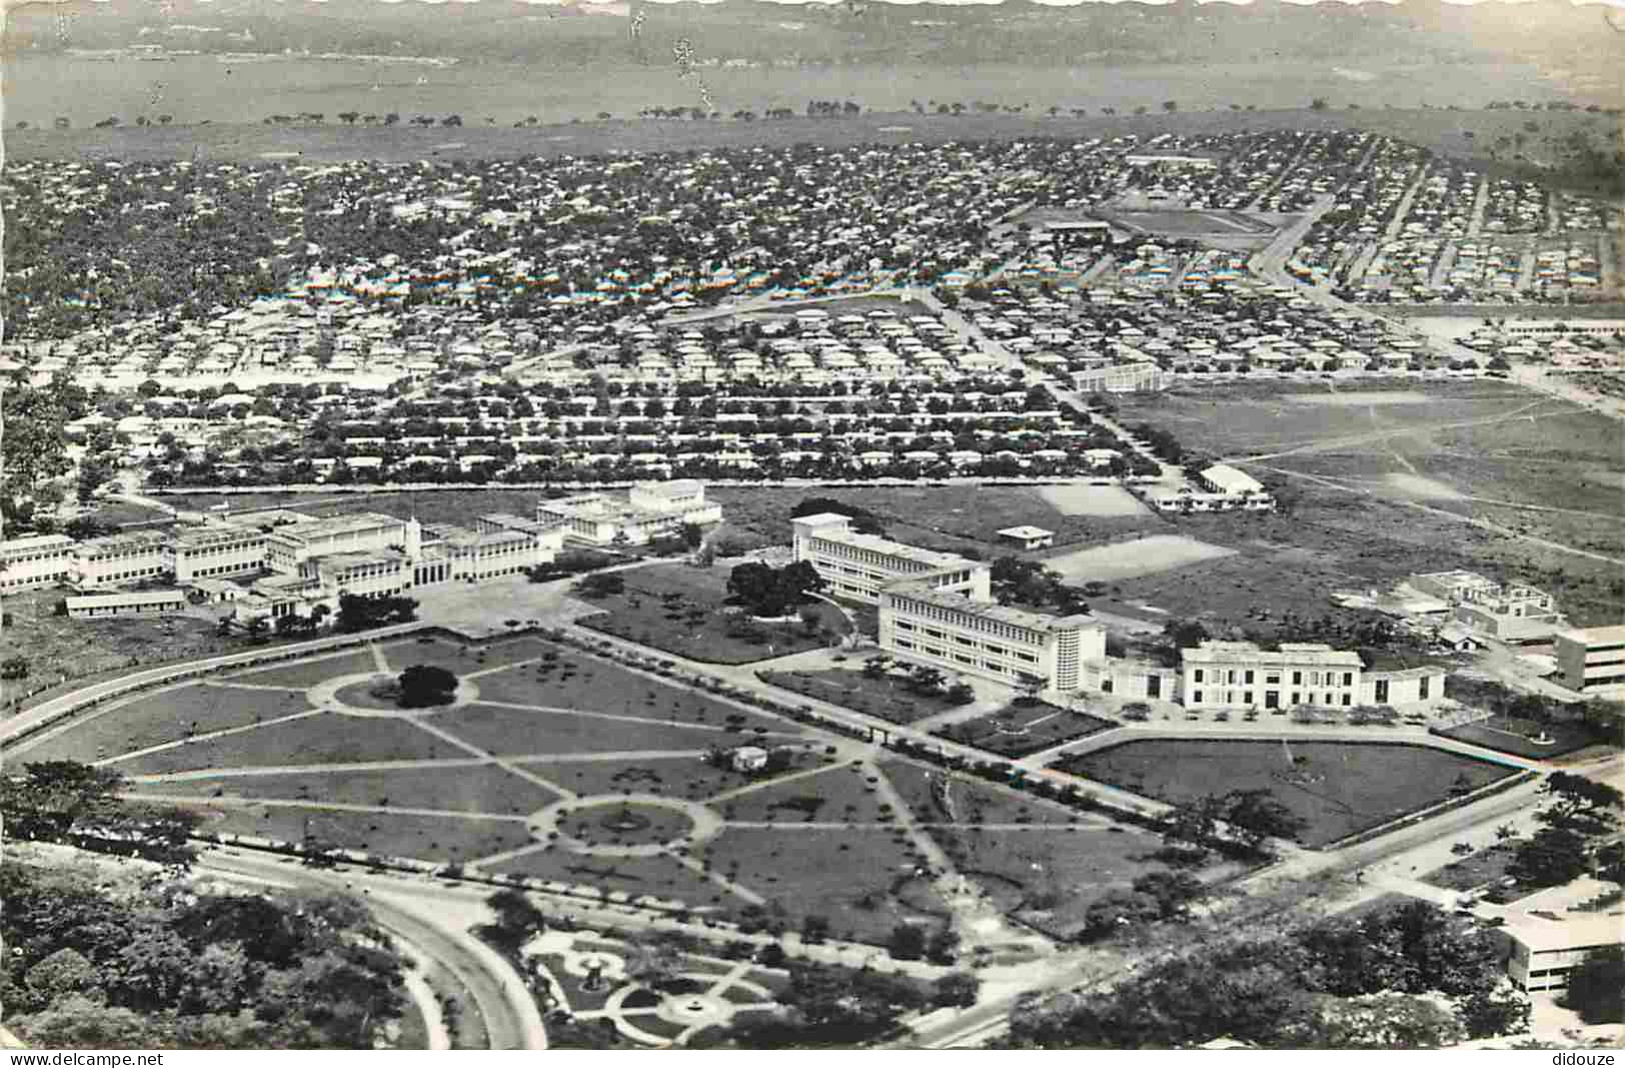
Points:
(830, 1007)
(833, 109)
(69, 803)
(1238, 821)
(921, 679)
(863, 520)
(110, 961)
(1029, 582)
(763, 590)
(1407, 976)
(1580, 814)
(36, 449)
(364, 613)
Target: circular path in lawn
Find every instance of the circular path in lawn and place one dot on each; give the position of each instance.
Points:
(630, 825)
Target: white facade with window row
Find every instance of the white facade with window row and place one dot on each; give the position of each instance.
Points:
(39, 560)
(118, 558)
(214, 552)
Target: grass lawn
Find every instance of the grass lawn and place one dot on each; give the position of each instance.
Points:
(306, 673)
(855, 878)
(459, 658)
(1485, 866)
(886, 698)
(576, 680)
(436, 838)
(1508, 734)
(945, 518)
(969, 800)
(686, 610)
(1017, 730)
(486, 789)
(1338, 788)
(163, 716)
(329, 738)
(628, 823)
(1050, 875)
(689, 778)
(840, 795)
(519, 731)
(659, 876)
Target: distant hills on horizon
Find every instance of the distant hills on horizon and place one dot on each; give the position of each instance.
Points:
(576, 34)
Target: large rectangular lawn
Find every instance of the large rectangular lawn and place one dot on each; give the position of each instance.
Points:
(1339, 788)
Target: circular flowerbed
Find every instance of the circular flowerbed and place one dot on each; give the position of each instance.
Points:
(625, 824)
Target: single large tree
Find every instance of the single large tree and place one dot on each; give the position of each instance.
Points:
(425, 685)
(1595, 984)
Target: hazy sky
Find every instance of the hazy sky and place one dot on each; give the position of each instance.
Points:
(902, 3)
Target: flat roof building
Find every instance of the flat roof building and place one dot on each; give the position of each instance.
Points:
(148, 603)
(215, 551)
(38, 560)
(1591, 659)
(649, 511)
(108, 561)
(1028, 537)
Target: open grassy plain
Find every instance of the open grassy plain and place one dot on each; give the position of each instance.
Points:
(962, 519)
(1379, 484)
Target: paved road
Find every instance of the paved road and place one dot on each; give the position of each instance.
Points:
(512, 1019)
(46, 711)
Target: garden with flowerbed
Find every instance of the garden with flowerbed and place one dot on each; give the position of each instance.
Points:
(1024, 727)
(879, 689)
(691, 611)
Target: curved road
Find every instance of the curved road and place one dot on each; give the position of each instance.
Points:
(511, 1017)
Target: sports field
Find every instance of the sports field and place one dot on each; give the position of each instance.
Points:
(1142, 556)
(1079, 499)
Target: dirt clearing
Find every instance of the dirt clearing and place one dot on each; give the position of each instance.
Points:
(1354, 399)
(1142, 556)
(1418, 486)
(1092, 500)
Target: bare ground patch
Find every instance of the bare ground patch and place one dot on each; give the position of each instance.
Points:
(1419, 486)
(1142, 556)
(1092, 500)
(1358, 398)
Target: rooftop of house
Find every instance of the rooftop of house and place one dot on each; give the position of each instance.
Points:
(102, 600)
(338, 526)
(845, 535)
(131, 541)
(1614, 632)
(198, 537)
(34, 543)
(1291, 653)
(1026, 532)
